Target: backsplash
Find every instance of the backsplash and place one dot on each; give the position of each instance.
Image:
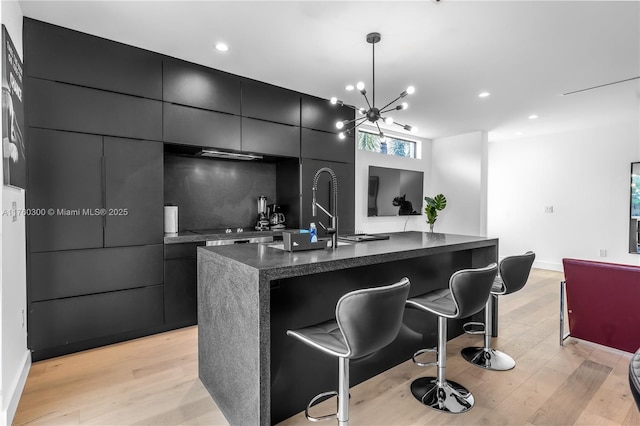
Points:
(212, 193)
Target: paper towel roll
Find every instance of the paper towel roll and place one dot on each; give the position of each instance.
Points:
(170, 219)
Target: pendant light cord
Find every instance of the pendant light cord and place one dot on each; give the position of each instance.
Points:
(373, 68)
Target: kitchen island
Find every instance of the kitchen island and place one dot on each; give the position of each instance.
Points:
(250, 294)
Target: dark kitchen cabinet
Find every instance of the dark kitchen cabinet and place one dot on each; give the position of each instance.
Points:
(61, 322)
(72, 176)
(61, 106)
(201, 87)
(59, 54)
(263, 137)
(65, 177)
(68, 273)
(134, 192)
(346, 194)
(320, 114)
(180, 284)
(272, 103)
(192, 126)
(327, 146)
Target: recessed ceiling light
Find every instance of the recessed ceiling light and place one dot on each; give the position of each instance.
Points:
(483, 94)
(533, 117)
(349, 87)
(222, 47)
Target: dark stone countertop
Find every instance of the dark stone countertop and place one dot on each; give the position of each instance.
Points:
(199, 235)
(277, 263)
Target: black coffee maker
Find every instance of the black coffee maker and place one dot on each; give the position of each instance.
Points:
(276, 216)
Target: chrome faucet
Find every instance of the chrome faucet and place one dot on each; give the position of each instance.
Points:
(333, 229)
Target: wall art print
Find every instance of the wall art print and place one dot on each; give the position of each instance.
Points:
(13, 147)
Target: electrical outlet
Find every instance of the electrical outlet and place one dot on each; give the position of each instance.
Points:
(603, 252)
(548, 209)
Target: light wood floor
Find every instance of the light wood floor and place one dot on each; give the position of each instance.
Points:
(154, 380)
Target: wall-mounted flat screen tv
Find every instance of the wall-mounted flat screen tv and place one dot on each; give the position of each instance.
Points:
(394, 192)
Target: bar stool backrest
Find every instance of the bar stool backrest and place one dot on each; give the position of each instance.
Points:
(514, 271)
(370, 319)
(470, 289)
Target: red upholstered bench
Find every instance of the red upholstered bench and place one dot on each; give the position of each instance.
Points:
(603, 303)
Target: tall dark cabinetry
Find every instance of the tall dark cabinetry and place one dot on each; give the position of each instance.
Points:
(95, 171)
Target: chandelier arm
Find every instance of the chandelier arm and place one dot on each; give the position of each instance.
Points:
(392, 102)
(363, 119)
(379, 130)
(388, 110)
(366, 99)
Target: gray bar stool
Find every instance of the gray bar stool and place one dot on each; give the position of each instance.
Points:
(467, 294)
(366, 321)
(513, 275)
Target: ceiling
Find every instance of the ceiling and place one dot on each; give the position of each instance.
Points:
(525, 53)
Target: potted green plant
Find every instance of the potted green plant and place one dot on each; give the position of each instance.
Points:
(434, 205)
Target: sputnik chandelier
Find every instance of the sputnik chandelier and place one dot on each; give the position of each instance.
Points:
(373, 114)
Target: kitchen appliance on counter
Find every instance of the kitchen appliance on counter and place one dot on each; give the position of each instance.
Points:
(276, 217)
(262, 222)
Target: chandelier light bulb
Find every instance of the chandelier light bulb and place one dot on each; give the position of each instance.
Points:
(339, 124)
(362, 111)
(388, 120)
(349, 87)
(414, 129)
(411, 90)
(382, 137)
(341, 135)
(334, 100)
(360, 85)
(404, 105)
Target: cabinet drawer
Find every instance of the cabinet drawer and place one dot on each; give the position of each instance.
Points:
(80, 272)
(197, 86)
(327, 146)
(263, 137)
(64, 321)
(320, 114)
(192, 126)
(56, 53)
(267, 102)
(182, 250)
(67, 107)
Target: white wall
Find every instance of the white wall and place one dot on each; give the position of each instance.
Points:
(15, 358)
(459, 171)
(364, 159)
(584, 175)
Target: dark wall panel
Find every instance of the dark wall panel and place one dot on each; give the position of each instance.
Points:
(198, 86)
(64, 321)
(59, 54)
(214, 193)
(64, 175)
(81, 272)
(193, 126)
(327, 146)
(267, 102)
(264, 137)
(320, 114)
(67, 107)
(134, 194)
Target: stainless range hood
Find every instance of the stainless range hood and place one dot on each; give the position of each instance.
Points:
(228, 155)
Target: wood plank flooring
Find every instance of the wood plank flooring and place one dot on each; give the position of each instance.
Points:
(154, 380)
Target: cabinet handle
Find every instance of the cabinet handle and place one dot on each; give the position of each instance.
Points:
(104, 189)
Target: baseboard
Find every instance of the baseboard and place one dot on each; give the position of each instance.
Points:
(15, 391)
(549, 266)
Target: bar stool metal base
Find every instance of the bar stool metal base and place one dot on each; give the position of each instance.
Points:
(449, 397)
(490, 359)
